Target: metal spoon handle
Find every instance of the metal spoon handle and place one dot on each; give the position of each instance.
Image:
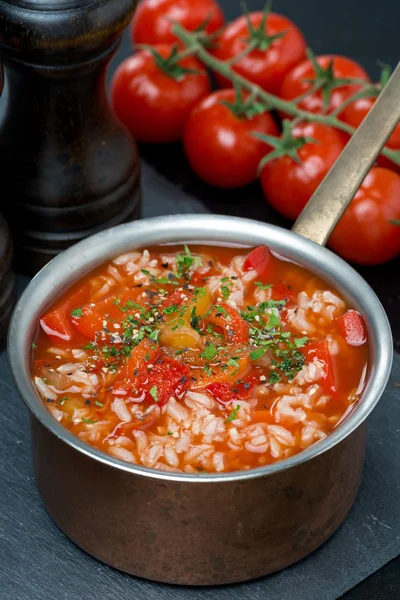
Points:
(340, 185)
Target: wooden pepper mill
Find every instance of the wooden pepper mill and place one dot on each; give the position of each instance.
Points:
(7, 276)
(69, 169)
(7, 280)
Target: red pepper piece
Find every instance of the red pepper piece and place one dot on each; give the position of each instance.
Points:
(234, 328)
(113, 306)
(154, 377)
(225, 392)
(176, 298)
(280, 291)
(320, 351)
(352, 328)
(260, 259)
(57, 323)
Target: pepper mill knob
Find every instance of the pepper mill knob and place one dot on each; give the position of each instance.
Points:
(69, 168)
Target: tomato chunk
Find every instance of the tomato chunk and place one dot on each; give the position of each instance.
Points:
(113, 308)
(320, 351)
(145, 352)
(280, 291)
(225, 392)
(222, 392)
(234, 328)
(57, 323)
(176, 298)
(352, 328)
(260, 259)
(151, 376)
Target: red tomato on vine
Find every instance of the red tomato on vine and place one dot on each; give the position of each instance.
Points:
(276, 44)
(153, 93)
(355, 113)
(333, 73)
(366, 233)
(288, 184)
(153, 21)
(218, 139)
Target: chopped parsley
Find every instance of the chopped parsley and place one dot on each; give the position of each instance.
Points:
(209, 352)
(274, 377)
(88, 421)
(62, 400)
(77, 312)
(169, 310)
(33, 345)
(185, 261)
(169, 433)
(207, 370)
(233, 362)
(263, 287)
(164, 280)
(233, 414)
(225, 292)
(300, 342)
(154, 392)
(97, 403)
(256, 354)
(194, 319)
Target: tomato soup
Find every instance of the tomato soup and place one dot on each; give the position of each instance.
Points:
(201, 359)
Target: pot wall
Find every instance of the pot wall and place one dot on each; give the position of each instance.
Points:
(197, 533)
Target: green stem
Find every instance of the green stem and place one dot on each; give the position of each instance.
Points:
(314, 88)
(249, 48)
(368, 91)
(272, 101)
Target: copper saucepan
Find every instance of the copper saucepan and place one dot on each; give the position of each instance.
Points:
(211, 528)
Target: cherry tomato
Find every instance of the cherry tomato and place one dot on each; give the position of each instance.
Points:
(153, 103)
(260, 259)
(289, 185)
(219, 143)
(295, 83)
(355, 113)
(364, 234)
(154, 19)
(352, 328)
(271, 59)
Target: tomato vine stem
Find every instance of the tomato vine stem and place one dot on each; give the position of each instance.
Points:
(192, 42)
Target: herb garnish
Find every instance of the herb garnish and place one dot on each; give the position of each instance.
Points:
(209, 352)
(154, 392)
(233, 414)
(77, 312)
(186, 260)
(263, 287)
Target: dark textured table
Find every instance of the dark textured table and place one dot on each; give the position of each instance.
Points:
(38, 563)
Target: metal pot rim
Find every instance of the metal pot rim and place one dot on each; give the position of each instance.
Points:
(81, 258)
